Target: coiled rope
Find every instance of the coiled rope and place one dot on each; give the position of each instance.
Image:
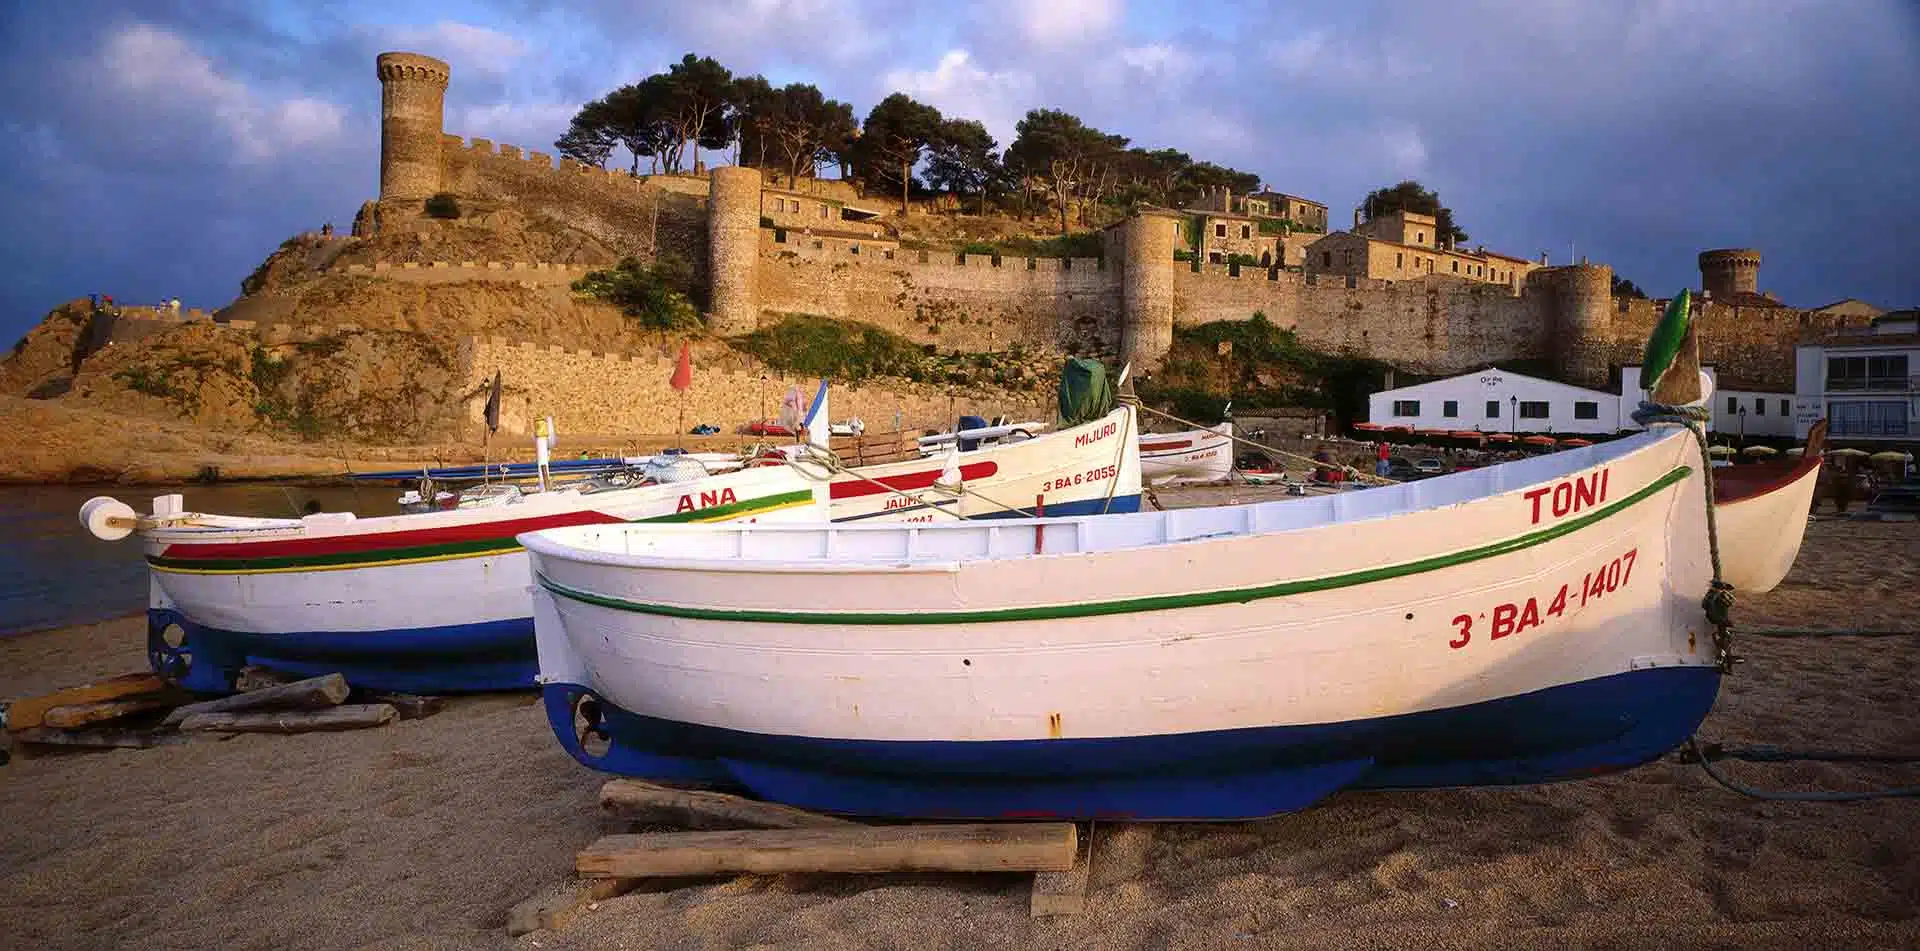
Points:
(1718, 602)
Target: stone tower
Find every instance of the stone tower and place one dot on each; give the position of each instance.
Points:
(413, 91)
(733, 249)
(1146, 287)
(1582, 324)
(1728, 271)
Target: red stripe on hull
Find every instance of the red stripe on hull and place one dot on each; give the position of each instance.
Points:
(375, 541)
(855, 487)
(1164, 446)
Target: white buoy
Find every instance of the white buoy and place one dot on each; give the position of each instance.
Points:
(108, 518)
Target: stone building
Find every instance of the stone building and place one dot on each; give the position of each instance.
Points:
(1376, 292)
(1406, 245)
(1306, 214)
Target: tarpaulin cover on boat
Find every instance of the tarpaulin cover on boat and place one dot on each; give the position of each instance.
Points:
(1085, 392)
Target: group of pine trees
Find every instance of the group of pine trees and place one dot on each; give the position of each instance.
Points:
(1056, 160)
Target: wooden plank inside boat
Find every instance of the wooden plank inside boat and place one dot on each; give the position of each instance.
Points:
(1028, 847)
(869, 449)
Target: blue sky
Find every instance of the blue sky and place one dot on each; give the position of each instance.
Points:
(162, 148)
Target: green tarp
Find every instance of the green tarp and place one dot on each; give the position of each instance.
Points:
(1085, 392)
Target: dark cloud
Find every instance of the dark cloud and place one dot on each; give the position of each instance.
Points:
(1637, 133)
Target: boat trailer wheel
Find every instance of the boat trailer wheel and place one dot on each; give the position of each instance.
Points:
(588, 726)
(169, 651)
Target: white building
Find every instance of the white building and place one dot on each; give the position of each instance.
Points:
(1502, 401)
(1497, 401)
(1865, 381)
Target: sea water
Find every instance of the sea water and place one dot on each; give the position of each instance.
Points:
(53, 572)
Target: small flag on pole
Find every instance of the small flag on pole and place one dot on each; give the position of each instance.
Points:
(683, 372)
(493, 405)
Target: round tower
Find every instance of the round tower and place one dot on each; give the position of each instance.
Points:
(733, 249)
(1146, 288)
(413, 92)
(1726, 271)
(1581, 340)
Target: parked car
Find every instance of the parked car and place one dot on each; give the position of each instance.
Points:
(1429, 466)
(704, 429)
(767, 427)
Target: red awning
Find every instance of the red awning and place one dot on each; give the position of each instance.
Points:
(1434, 432)
(1576, 443)
(1367, 427)
(1538, 440)
(1467, 434)
(1396, 429)
(1499, 437)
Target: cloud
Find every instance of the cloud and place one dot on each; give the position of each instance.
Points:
(1062, 22)
(473, 47)
(170, 85)
(957, 86)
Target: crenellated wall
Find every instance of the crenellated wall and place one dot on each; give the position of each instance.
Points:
(959, 302)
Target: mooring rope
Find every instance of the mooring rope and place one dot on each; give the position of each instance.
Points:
(1718, 605)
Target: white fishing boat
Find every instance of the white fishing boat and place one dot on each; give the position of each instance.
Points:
(430, 602)
(1520, 623)
(1762, 509)
(1198, 455)
(1528, 622)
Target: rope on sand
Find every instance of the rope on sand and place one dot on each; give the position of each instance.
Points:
(1822, 632)
(1694, 753)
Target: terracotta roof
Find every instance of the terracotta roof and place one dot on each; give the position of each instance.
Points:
(1746, 299)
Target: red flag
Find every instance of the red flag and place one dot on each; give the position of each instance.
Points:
(683, 373)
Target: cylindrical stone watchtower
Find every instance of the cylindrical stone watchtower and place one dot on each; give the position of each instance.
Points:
(1725, 271)
(1146, 287)
(413, 92)
(733, 249)
(1582, 327)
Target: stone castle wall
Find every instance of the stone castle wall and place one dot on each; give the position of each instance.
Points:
(610, 394)
(633, 216)
(959, 302)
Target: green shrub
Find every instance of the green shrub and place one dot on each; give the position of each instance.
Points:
(1182, 254)
(646, 294)
(1243, 260)
(840, 350)
(1276, 226)
(443, 205)
(980, 248)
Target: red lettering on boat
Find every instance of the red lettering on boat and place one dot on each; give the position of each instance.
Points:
(1574, 495)
(1088, 439)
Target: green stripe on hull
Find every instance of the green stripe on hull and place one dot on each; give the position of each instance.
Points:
(1135, 605)
(450, 550)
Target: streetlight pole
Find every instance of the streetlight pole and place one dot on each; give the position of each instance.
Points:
(1513, 415)
(1743, 426)
(763, 396)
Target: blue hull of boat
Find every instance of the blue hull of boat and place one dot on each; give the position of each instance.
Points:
(461, 658)
(1566, 732)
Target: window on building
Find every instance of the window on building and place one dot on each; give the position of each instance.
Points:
(1400, 261)
(1326, 259)
(1867, 418)
(1406, 407)
(1867, 373)
(1219, 231)
(1785, 408)
(1420, 237)
(1493, 409)
(1759, 407)
(1586, 409)
(1533, 409)
(1450, 409)
(1246, 231)
(1733, 404)
(1456, 267)
(823, 211)
(1214, 257)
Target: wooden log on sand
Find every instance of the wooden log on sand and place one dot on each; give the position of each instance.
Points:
(557, 907)
(354, 716)
(700, 809)
(81, 714)
(410, 707)
(29, 712)
(1064, 893)
(1032, 847)
(312, 694)
(253, 678)
(98, 738)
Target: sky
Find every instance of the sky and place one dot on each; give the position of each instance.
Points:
(162, 148)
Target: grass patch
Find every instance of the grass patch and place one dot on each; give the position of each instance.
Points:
(847, 351)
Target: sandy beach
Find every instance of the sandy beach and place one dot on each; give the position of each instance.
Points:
(423, 834)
